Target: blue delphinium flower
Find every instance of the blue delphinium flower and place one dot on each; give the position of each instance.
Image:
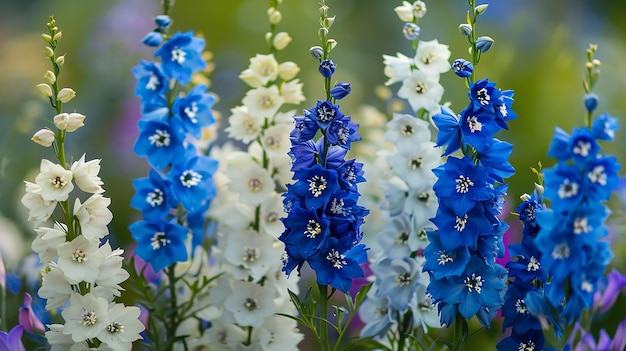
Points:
(462, 68)
(160, 242)
(181, 55)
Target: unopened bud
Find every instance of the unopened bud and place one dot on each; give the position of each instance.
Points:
(596, 62)
(281, 40)
(46, 37)
(66, 95)
(331, 43)
(58, 36)
(591, 101)
(329, 21)
(268, 37)
(43, 137)
(288, 70)
(48, 51)
(525, 197)
(60, 60)
(322, 33)
(274, 16)
(45, 90)
(539, 189)
(69, 121)
(480, 9)
(317, 52)
(49, 77)
(484, 43)
(465, 29)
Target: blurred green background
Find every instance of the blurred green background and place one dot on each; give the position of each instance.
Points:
(539, 52)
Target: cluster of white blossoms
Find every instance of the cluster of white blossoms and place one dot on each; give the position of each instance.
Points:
(409, 200)
(82, 275)
(253, 289)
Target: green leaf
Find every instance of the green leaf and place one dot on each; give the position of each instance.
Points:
(366, 344)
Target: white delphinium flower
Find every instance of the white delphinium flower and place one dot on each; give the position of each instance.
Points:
(425, 314)
(54, 180)
(253, 182)
(93, 216)
(422, 90)
(243, 125)
(86, 317)
(263, 101)
(223, 336)
(251, 254)
(55, 289)
(291, 92)
(414, 165)
(405, 131)
(123, 328)
(432, 57)
(288, 70)
(262, 69)
(111, 274)
(421, 204)
(397, 68)
(80, 260)
(250, 303)
(43, 137)
(272, 211)
(278, 333)
(275, 140)
(86, 175)
(39, 210)
(59, 341)
(47, 242)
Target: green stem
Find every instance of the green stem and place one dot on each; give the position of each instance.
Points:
(475, 54)
(323, 317)
(459, 337)
(171, 319)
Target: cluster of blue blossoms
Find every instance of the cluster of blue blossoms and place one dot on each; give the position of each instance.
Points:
(461, 255)
(180, 186)
(323, 220)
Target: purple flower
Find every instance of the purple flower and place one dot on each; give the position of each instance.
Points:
(12, 341)
(27, 317)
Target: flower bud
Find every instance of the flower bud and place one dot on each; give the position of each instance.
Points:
(484, 43)
(462, 68)
(322, 33)
(480, 9)
(327, 68)
(591, 101)
(539, 188)
(163, 21)
(274, 16)
(340, 90)
(317, 52)
(331, 43)
(58, 36)
(288, 70)
(69, 122)
(45, 90)
(411, 31)
(60, 60)
(43, 137)
(405, 13)
(49, 77)
(465, 29)
(419, 9)
(65, 95)
(46, 37)
(48, 51)
(152, 39)
(328, 22)
(281, 40)
(268, 37)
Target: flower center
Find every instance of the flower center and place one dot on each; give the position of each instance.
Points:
(475, 282)
(272, 141)
(582, 148)
(422, 234)
(343, 134)
(460, 223)
(190, 178)
(336, 258)
(325, 114)
(160, 138)
(463, 184)
(58, 182)
(115, 327)
(403, 238)
(155, 197)
(561, 251)
(568, 189)
(271, 217)
(251, 304)
(423, 196)
(533, 264)
(520, 307)
(581, 226)
(79, 256)
(483, 96)
(255, 184)
(529, 346)
(336, 206)
(191, 112)
(153, 82)
(313, 229)
(586, 286)
(406, 130)
(503, 111)
(266, 100)
(251, 254)
(421, 88)
(159, 240)
(474, 125)
(416, 162)
(444, 258)
(89, 318)
(317, 185)
(597, 175)
(404, 279)
(178, 56)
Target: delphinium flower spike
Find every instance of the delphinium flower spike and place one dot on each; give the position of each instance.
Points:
(400, 285)
(322, 226)
(176, 114)
(252, 290)
(460, 258)
(83, 273)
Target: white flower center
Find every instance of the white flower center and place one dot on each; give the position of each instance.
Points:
(586, 286)
(255, 184)
(266, 101)
(153, 82)
(404, 279)
(336, 206)
(597, 175)
(191, 112)
(317, 185)
(520, 307)
(58, 182)
(336, 258)
(190, 178)
(155, 197)
(344, 135)
(313, 229)
(79, 256)
(581, 226)
(115, 327)
(444, 258)
(483, 96)
(251, 254)
(178, 55)
(159, 240)
(533, 264)
(325, 114)
(529, 346)
(568, 189)
(463, 184)
(421, 88)
(474, 124)
(460, 222)
(89, 318)
(160, 138)
(272, 141)
(561, 251)
(475, 282)
(582, 148)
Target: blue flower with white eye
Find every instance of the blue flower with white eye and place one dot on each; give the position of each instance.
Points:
(193, 111)
(442, 263)
(315, 185)
(604, 127)
(564, 186)
(181, 56)
(377, 315)
(462, 68)
(306, 232)
(581, 146)
(484, 95)
(350, 174)
(324, 113)
(151, 82)
(477, 127)
(160, 142)
(327, 68)
(601, 178)
(342, 132)
(152, 196)
(305, 128)
(461, 230)
(503, 110)
(192, 181)
(463, 182)
(159, 242)
(338, 263)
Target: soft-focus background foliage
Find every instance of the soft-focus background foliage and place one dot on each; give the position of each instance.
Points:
(539, 52)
